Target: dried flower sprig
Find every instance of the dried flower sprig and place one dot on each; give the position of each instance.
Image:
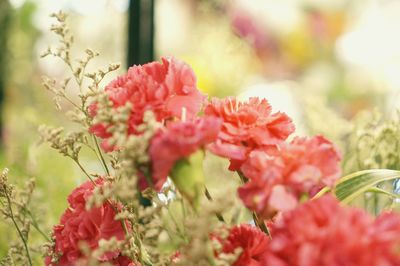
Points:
(200, 247)
(88, 84)
(15, 206)
(20, 223)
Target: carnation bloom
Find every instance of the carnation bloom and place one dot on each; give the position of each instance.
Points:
(177, 141)
(79, 225)
(323, 233)
(252, 242)
(164, 88)
(246, 126)
(279, 176)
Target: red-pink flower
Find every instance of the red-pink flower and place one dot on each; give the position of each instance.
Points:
(246, 126)
(324, 233)
(164, 88)
(251, 240)
(279, 176)
(177, 141)
(78, 225)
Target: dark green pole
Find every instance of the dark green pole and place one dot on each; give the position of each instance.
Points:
(5, 16)
(140, 32)
(141, 40)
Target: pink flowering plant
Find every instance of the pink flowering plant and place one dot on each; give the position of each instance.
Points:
(280, 200)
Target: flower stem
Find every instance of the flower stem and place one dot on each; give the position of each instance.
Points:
(100, 155)
(17, 227)
(108, 201)
(83, 170)
(36, 226)
(259, 223)
(208, 195)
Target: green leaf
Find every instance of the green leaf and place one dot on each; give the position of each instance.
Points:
(351, 186)
(188, 177)
(322, 192)
(384, 192)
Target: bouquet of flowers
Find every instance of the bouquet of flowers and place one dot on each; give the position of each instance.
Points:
(280, 201)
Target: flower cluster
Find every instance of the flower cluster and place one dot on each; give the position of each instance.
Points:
(277, 173)
(319, 233)
(177, 141)
(246, 126)
(250, 241)
(79, 226)
(279, 176)
(322, 233)
(164, 88)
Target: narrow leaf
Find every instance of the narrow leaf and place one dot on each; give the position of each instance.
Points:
(351, 186)
(382, 191)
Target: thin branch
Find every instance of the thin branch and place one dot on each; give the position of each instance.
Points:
(100, 155)
(259, 223)
(17, 227)
(208, 195)
(36, 225)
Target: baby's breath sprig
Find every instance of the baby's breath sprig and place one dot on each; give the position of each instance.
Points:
(69, 145)
(199, 249)
(7, 260)
(15, 207)
(78, 68)
(88, 83)
(7, 195)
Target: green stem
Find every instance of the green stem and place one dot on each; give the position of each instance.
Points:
(17, 227)
(183, 208)
(36, 225)
(259, 223)
(322, 192)
(174, 221)
(83, 170)
(208, 195)
(108, 201)
(100, 155)
(242, 177)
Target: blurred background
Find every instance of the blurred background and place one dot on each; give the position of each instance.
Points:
(322, 61)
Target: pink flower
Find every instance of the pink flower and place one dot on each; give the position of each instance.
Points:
(251, 240)
(323, 233)
(164, 88)
(78, 225)
(279, 176)
(177, 141)
(251, 31)
(246, 126)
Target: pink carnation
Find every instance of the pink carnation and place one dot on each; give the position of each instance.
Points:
(78, 225)
(279, 176)
(164, 88)
(251, 240)
(246, 126)
(177, 141)
(323, 233)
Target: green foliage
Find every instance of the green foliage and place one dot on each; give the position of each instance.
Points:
(373, 143)
(353, 185)
(188, 177)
